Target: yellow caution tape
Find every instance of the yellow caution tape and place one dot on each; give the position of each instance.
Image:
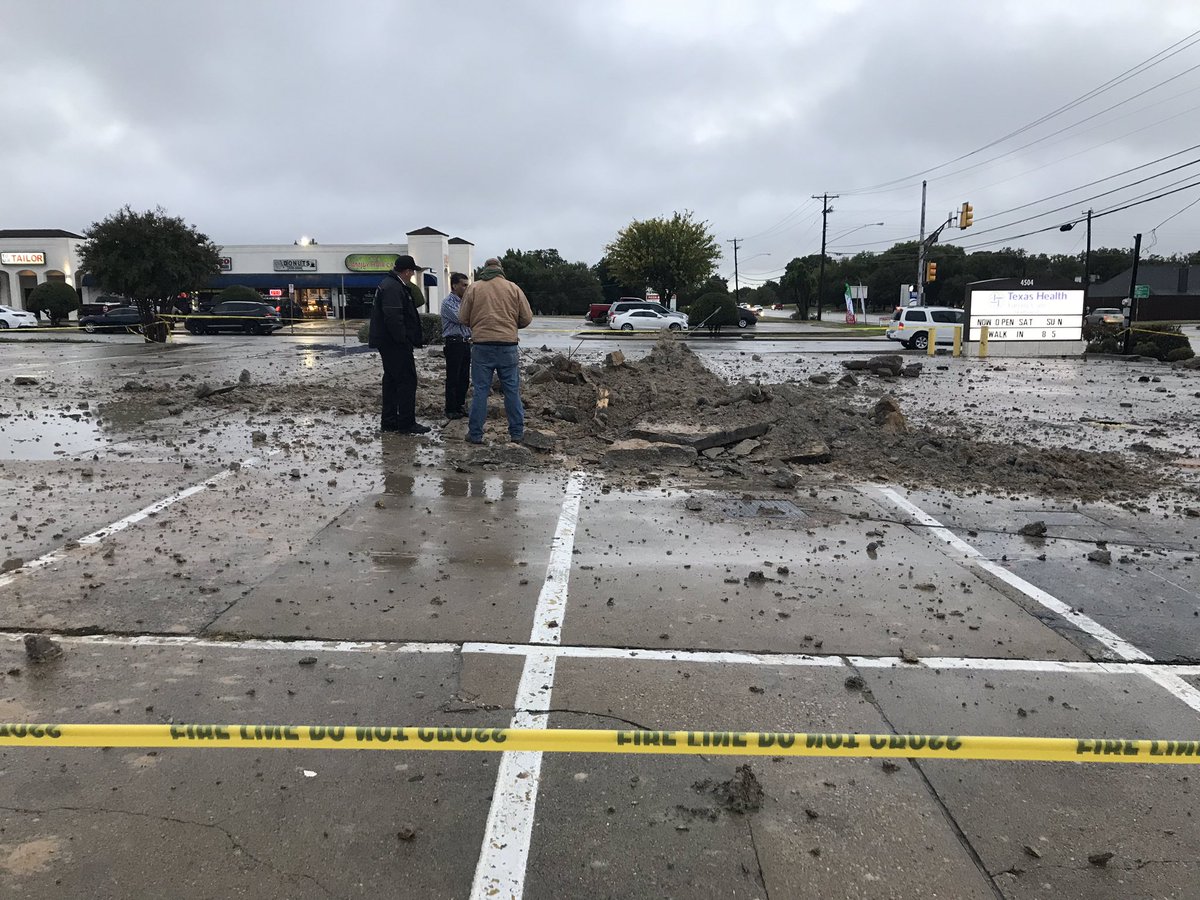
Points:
(720, 743)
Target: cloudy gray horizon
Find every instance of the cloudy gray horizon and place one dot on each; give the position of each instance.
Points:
(537, 125)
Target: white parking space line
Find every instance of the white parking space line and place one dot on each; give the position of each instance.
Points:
(1113, 642)
(500, 871)
(700, 657)
(1169, 679)
(186, 642)
(95, 537)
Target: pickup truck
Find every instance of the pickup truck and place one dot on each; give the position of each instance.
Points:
(597, 313)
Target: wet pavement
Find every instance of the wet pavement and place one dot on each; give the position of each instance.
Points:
(242, 566)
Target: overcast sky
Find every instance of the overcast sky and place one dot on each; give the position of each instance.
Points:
(553, 124)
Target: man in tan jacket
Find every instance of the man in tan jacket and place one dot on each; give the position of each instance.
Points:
(494, 309)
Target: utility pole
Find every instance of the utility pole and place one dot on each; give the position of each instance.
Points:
(736, 287)
(1087, 262)
(825, 211)
(1137, 252)
(921, 252)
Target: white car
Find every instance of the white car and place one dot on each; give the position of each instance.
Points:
(17, 318)
(911, 325)
(646, 320)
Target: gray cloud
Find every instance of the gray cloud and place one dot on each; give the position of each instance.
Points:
(545, 124)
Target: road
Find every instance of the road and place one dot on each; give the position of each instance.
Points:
(346, 580)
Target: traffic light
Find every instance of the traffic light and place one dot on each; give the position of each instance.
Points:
(967, 216)
(930, 272)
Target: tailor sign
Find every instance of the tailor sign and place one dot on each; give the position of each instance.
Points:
(371, 262)
(26, 258)
(1025, 309)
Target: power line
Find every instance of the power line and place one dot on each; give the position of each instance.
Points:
(1065, 193)
(1128, 74)
(1107, 212)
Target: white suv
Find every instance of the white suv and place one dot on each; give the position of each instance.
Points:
(624, 306)
(911, 324)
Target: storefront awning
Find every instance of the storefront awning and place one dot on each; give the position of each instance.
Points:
(283, 279)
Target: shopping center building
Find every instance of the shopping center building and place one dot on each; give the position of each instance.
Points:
(324, 279)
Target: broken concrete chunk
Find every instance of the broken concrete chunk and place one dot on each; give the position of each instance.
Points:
(820, 378)
(1033, 529)
(1100, 859)
(888, 417)
(745, 448)
(40, 648)
(699, 437)
(539, 440)
(614, 359)
(12, 563)
(785, 479)
(912, 370)
(1104, 557)
(809, 454)
(637, 452)
(693, 503)
(25, 380)
(889, 363)
(848, 380)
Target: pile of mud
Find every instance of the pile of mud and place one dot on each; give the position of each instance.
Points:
(851, 430)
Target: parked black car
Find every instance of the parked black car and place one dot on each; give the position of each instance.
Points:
(236, 315)
(123, 318)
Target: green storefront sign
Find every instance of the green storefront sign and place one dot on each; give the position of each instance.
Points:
(371, 262)
(1141, 291)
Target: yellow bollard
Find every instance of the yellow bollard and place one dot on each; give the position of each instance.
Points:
(983, 336)
(958, 340)
(932, 342)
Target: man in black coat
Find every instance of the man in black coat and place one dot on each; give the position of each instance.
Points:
(395, 331)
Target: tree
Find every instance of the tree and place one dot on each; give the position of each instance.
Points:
(674, 256)
(712, 311)
(553, 285)
(612, 286)
(149, 257)
(56, 299)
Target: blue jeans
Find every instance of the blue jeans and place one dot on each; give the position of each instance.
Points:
(486, 359)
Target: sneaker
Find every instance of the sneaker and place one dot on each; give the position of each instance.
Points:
(415, 428)
(473, 440)
(455, 414)
(515, 439)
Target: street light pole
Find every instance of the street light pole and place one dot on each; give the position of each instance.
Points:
(1087, 256)
(736, 285)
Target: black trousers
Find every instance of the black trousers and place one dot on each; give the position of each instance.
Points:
(399, 387)
(458, 374)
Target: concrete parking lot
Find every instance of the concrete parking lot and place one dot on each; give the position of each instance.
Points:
(279, 562)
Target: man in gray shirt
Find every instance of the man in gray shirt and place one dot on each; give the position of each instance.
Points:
(456, 341)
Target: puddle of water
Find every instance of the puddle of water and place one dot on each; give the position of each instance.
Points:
(48, 436)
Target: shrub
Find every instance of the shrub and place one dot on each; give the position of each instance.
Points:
(56, 299)
(239, 292)
(1180, 353)
(1145, 348)
(364, 332)
(713, 311)
(1159, 340)
(431, 328)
